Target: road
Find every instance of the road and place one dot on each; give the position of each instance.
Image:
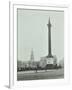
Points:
(33, 75)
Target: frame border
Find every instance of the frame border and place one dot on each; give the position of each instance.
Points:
(11, 40)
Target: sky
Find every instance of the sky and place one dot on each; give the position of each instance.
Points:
(32, 33)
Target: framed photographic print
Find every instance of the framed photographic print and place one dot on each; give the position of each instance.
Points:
(38, 45)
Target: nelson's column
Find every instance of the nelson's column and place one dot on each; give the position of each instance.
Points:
(49, 59)
(49, 39)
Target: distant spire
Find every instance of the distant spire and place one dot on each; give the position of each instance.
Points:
(32, 55)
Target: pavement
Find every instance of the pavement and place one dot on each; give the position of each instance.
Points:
(41, 74)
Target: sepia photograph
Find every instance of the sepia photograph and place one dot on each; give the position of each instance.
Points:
(40, 44)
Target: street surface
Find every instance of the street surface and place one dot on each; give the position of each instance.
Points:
(41, 74)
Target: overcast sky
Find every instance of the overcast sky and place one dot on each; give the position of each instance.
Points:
(33, 33)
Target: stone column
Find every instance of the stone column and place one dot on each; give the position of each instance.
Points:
(49, 39)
